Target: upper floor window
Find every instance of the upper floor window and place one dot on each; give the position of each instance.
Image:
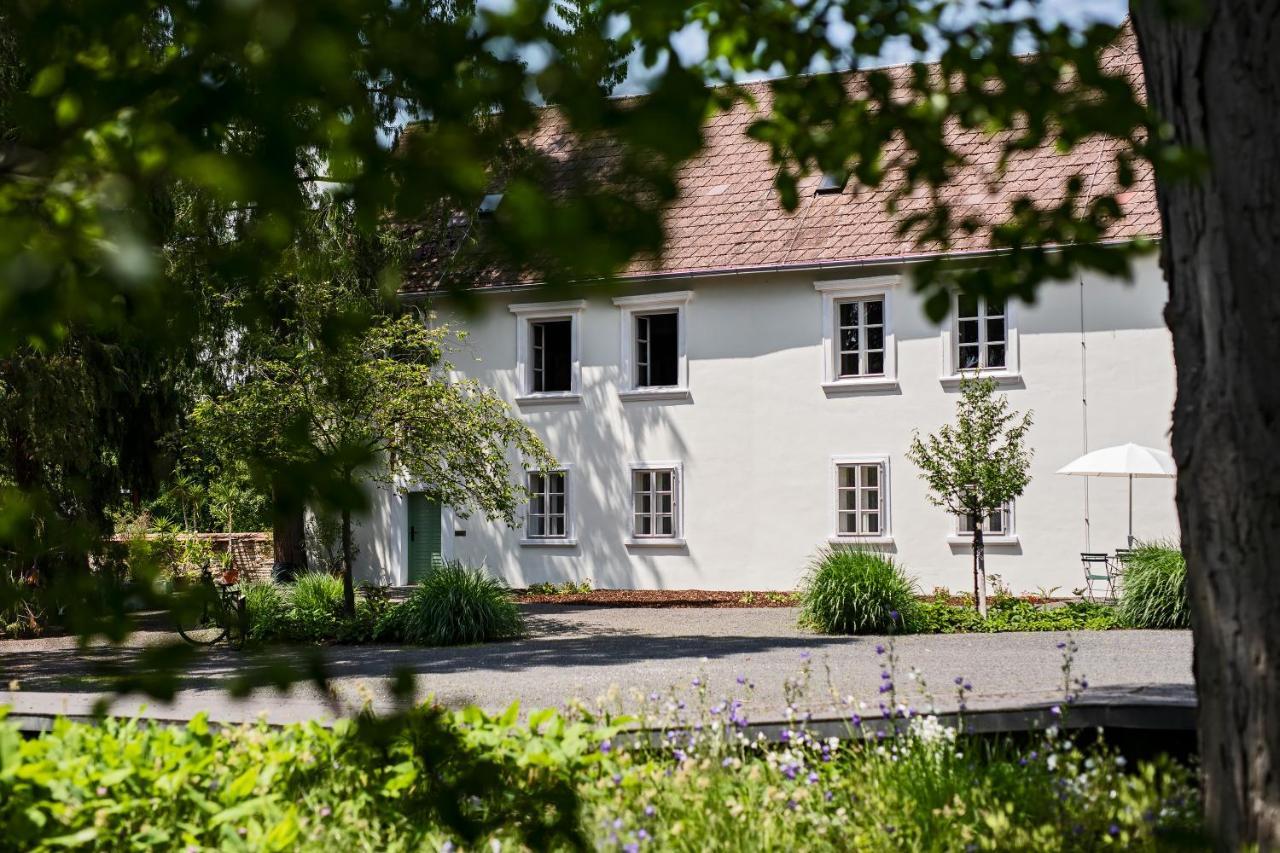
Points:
(859, 351)
(982, 333)
(547, 351)
(654, 362)
(656, 503)
(981, 338)
(861, 498)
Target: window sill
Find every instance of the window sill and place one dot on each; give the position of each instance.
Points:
(957, 539)
(655, 542)
(655, 394)
(549, 542)
(553, 398)
(858, 386)
(860, 540)
(1003, 379)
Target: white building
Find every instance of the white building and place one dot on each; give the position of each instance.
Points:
(753, 398)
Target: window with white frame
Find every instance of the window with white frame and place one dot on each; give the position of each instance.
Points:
(655, 502)
(982, 333)
(998, 523)
(861, 337)
(862, 493)
(857, 334)
(547, 350)
(548, 513)
(654, 362)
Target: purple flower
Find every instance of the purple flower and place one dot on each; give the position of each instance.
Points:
(727, 762)
(828, 796)
(785, 737)
(1084, 685)
(1062, 645)
(885, 676)
(447, 847)
(642, 834)
(325, 811)
(894, 615)
(631, 847)
(650, 811)
(697, 682)
(617, 823)
(959, 680)
(804, 655)
(1113, 830)
(1056, 711)
(742, 679)
(606, 746)
(617, 778)
(968, 686)
(101, 792)
(856, 719)
(812, 777)
(791, 805)
(886, 687)
(879, 649)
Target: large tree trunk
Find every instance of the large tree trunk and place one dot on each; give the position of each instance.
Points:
(1218, 84)
(288, 536)
(348, 575)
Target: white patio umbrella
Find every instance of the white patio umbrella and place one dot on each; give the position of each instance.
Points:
(1123, 460)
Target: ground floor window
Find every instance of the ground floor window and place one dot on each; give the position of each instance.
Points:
(548, 516)
(998, 523)
(860, 499)
(654, 493)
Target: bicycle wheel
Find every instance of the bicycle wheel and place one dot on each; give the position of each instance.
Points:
(237, 620)
(201, 617)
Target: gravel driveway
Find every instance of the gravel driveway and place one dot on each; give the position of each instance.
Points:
(585, 651)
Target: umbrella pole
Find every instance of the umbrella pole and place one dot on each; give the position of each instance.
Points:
(1130, 511)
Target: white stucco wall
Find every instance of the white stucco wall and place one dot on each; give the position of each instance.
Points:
(758, 435)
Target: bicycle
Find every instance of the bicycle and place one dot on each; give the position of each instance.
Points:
(212, 610)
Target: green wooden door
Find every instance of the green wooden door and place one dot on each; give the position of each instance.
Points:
(424, 535)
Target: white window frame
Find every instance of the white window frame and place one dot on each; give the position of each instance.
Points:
(885, 536)
(657, 303)
(569, 539)
(526, 315)
(834, 293)
(1010, 374)
(676, 540)
(1008, 537)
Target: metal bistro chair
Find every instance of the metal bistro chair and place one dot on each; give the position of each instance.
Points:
(1098, 570)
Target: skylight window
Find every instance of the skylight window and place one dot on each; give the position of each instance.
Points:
(831, 183)
(489, 205)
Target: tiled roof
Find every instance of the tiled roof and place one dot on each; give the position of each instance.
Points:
(728, 216)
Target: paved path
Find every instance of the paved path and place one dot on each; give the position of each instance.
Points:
(583, 651)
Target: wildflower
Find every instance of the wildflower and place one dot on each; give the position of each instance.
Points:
(812, 777)
(728, 762)
(791, 805)
(1055, 711)
(325, 811)
(879, 649)
(447, 847)
(650, 811)
(968, 686)
(617, 823)
(885, 676)
(1062, 645)
(886, 687)
(828, 796)
(606, 746)
(617, 778)
(1120, 761)
(102, 792)
(1113, 830)
(697, 682)
(1052, 761)
(642, 834)
(894, 616)
(804, 655)
(631, 847)
(742, 679)
(959, 680)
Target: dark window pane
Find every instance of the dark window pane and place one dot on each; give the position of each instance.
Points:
(875, 362)
(553, 356)
(663, 355)
(995, 355)
(849, 364)
(875, 312)
(995, 330)
(968, 357)
(849, 314)
(873, 522)
(968, 306)
(875, 338)
(995, 307)
(848, 339)
(968, 331)
(870, 475)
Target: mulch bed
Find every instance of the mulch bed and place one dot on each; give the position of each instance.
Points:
(665, 598)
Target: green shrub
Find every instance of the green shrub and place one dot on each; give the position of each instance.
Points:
(455, 605)
(1008, 613)
(266, 608)
(1154, 588)
(316, 604)
(856, 591)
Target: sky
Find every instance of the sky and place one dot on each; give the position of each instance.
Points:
(691, 43)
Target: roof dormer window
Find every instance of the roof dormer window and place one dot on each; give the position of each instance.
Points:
(831, 183)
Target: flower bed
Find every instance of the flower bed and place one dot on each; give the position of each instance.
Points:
(661, 598)
(435, 780)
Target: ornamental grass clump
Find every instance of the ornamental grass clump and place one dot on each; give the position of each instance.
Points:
(457, 605)
(857, 591)
(1154, 588)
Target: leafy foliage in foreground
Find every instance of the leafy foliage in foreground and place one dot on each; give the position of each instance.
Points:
(1154, 591)
(1008, 613)
(856, 591)
(455, 605)
(552, 780)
